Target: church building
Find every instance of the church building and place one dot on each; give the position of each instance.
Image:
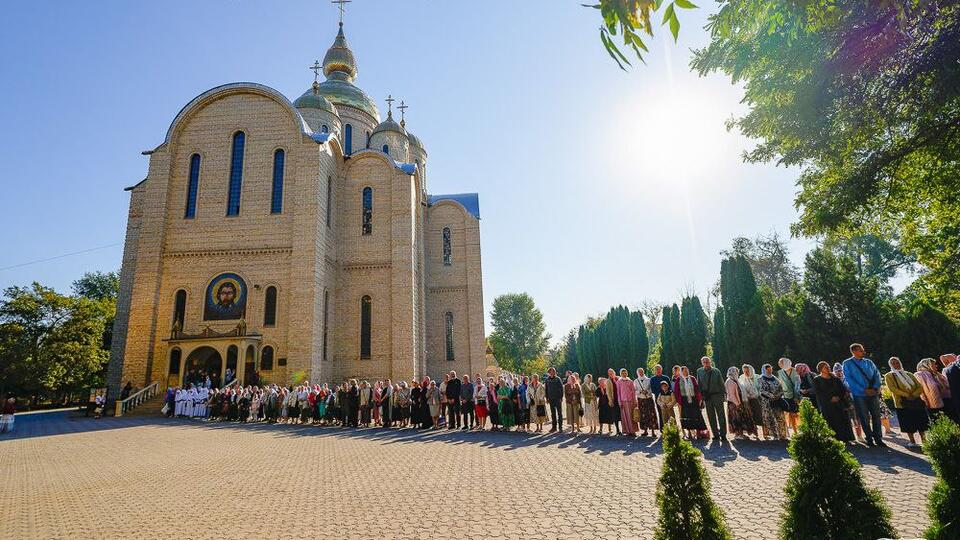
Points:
(296, 241)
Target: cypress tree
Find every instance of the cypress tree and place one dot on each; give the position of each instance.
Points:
(781, 338)
(719, 343)
(666, 344)
(943, 504)
(676, 337)
(745, 317)
(693, 322)
(639, 344)
(686, 511)
(826, 496)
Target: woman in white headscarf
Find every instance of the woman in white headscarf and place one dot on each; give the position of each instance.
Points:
(771, 404)
(750, 394)
(790, 380)
(934, 386)
(739, 418)
(686, 390)
(906, 390)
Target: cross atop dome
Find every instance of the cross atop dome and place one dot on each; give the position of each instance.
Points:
(403, 108)
(340, 4)
(389, 101)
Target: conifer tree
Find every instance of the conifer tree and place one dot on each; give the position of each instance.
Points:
(826, 496)
(719, 343)
(693, 321)
(686, 511)
(745, 317)
(666, 342)
(943, 504)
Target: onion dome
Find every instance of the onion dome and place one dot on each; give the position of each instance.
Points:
(341, 70)
(313, 99)
(339, 58)
(389, 125)
(414, 141)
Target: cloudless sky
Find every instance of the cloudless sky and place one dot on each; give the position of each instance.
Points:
(597, 186)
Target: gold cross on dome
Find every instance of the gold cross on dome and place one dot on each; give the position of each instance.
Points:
(316, 67)
(403, 108)
(340, 4)
(390, 101)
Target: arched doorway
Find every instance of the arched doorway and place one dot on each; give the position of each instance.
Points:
(203, 361)
(232, 355)
(250, 367)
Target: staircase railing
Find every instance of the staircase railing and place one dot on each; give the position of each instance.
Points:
(137, 399)
(235, 382)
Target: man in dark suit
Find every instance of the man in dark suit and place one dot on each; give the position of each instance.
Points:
(554, 387)
(452, 395)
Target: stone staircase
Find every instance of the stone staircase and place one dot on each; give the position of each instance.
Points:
(150, 407)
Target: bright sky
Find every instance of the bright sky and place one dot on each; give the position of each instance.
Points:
(597, 186)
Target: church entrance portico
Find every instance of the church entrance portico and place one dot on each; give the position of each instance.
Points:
(204, 359)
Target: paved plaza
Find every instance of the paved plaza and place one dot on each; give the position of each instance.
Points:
(148, 477)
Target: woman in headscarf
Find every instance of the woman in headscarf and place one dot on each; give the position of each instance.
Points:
(645, 404)
(537, 397)
(493, 403)
(832, 397)
(403, 404)
(426, 419)
(607, 404)
(572, 395)
(848, 399)
(667, 403)
(751, 395)
(790, 380)
(376, 403)
(480, 402)
(807, 389)
(505, 404)
(687, 393)
(591, 414)
(906, 390)
(433, 403)
(739, 417)
(771, 408)
(523, 404)
(628, 403)
(933, 385)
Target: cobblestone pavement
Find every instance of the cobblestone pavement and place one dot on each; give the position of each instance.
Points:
(147, 477)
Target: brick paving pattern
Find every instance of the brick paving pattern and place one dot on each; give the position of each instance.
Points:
(147, 477)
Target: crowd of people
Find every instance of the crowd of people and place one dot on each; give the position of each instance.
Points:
(740, 403)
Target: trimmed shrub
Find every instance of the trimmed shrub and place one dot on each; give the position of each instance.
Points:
(943, 504)
(826, 496)
(683, 494)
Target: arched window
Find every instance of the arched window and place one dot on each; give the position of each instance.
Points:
(367, 210)
(329, 200)
(365, 320)
(324, 129)
(386, 150)
(179, 307)
(270, 307)
(348, 138)
(276, 200)
(236, 174)
(175, 356)
(448, 327)
(193, 184)
(368, 140)
(447, 250)
(266, 358)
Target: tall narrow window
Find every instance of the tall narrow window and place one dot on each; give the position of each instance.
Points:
(448, 326)
(324, 129)
(326, 315)
(329, 200)
(266, 358)
(368, 140)
(270, 307)
(179, 307)
(365, 317)
(175, 356)
(447, 250)
(276, 200)
(236, 174)
(193, 184)
(367, 210)
(348, 138)
(386, 150)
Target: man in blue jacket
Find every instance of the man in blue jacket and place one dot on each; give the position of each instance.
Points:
(863, 378)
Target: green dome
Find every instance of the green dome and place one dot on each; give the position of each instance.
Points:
(389, 125)
(312, 99)
(339, 58)
(342, 92)
(414, 141)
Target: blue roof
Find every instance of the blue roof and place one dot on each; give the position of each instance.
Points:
(320, 137)
(470, 201)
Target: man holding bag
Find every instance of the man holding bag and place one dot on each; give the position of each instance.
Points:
(863, 378)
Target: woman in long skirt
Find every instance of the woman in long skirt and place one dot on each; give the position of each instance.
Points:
(493, 403)
(522, 404)
(628, 402)
(645, 403)
(771, 394)
(848, 399)
(591, 412)
(832, 396)
(911, 412)
(480, 403)
(537, 397)
(433, 402)
(739, 417)
(687, 393)
(609, 408)
(505, 406)
(751, 394)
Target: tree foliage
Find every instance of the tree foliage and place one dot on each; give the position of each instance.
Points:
(864, 96)
(769, 259)
(686, 510)
(943, 504)
(631, 19)
(519, 335)
(826, 498)
(618, 340)
(744, 315)
(50, 344)
(693, 328)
